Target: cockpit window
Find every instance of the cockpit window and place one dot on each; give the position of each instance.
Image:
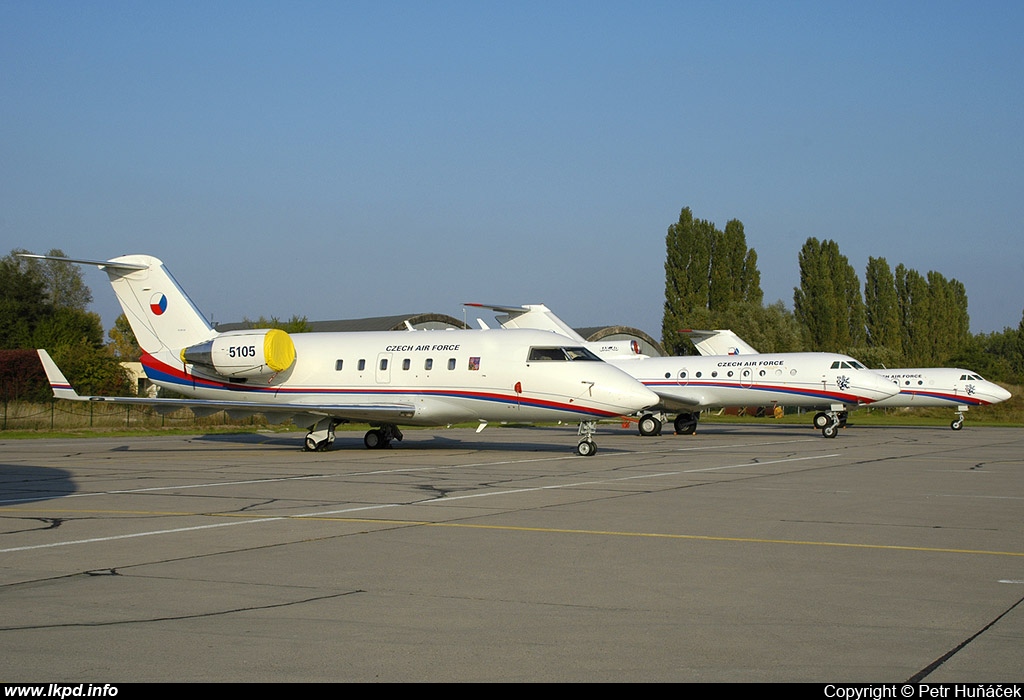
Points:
(581, 354)
(561, 354)
(843, 364)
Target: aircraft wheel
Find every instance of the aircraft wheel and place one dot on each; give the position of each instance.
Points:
(373, 439)
(821, 420)
(586, 448)
(649, 425)
(956, 424)
(685, 424)
(310, 445)
(830, 431)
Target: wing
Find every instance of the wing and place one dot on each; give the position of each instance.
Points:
(277, 412)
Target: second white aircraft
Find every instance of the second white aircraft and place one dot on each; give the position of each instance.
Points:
(688, 384)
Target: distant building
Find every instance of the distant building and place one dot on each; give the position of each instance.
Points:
(143, 387)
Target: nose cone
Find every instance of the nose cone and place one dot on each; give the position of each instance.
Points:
(997, 393)
(628, 395)
(876, 387)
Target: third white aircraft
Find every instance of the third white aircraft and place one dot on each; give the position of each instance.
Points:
(688, 384)
(918, 386)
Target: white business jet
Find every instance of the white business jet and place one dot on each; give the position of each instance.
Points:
(688, 384)
(919, 387)
(385, 379)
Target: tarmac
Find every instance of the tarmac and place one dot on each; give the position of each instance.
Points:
(743, 553)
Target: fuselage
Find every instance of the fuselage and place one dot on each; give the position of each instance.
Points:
(441, 376)
(940, 386)
(806, 379)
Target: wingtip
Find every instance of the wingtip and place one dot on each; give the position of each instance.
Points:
(58, 382)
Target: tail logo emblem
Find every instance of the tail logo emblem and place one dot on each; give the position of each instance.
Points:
(158, 304)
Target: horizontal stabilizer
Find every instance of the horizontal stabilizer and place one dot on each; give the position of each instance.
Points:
(110, 264)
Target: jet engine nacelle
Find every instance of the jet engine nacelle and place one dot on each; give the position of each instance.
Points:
(249, 353)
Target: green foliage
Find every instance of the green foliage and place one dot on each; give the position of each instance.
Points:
(998, 357)
(92, 371)
(67, 326)
(828, 302)
(883, 323)
(296, 324)
(42, 305)
(123, 344)
(22, 302)
(706, 270)
(22, 377)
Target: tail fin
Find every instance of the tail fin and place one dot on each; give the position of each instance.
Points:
(161, 315)
(718, 342)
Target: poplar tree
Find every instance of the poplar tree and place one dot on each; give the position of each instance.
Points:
(828, 302)
(707, 272)
(913, 304)
(883, 323)
(687, 273)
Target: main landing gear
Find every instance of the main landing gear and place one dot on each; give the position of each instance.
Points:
(380, 438)
(830, 422)
(320, 436)
(684, 423)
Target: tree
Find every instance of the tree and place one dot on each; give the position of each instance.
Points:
(912, 303)
(22, 301)
(123, 344)
(22, 377)
(92, 371)
(883, 322)
(63, 283)
(828, 302)
(769, 328)
(706, 271)
(43, 306)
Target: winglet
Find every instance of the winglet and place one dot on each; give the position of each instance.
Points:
(58, 382)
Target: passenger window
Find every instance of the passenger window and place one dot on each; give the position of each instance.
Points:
(451, 363)
(406, 363)
(383, 363)
(428, 363)
(337, 365)
(474, 364)
(362, 365)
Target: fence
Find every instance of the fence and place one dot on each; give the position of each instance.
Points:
(74, 415)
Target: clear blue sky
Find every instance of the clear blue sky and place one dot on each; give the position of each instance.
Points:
(344, 159)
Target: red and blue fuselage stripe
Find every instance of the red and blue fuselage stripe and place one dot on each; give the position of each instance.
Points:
(178, 380)
(817, 394)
